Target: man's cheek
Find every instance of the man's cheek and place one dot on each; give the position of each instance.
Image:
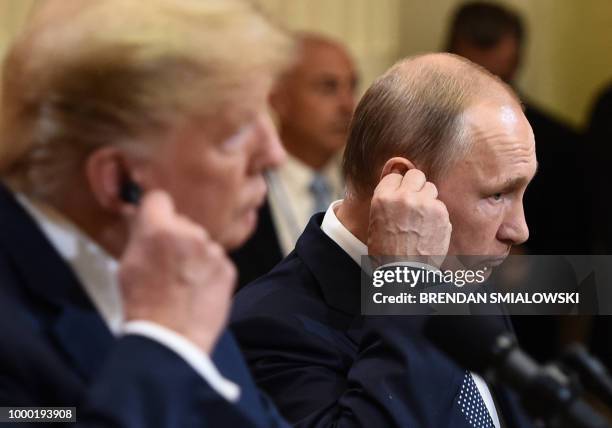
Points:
(486, 212)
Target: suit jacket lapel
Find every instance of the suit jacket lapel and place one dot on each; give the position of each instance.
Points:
(63, 311)
(336, 273)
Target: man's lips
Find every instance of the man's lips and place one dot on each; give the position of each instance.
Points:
(493, 261)
(256, 204)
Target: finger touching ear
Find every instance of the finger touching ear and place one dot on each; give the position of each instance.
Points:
(396, 165)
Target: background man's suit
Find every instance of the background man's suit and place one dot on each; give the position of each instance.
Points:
(57, 350)
(325, 365)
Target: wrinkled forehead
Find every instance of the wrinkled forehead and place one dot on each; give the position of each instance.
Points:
(503, 144)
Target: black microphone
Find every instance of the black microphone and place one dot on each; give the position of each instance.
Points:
(593, 374)
(484, 345)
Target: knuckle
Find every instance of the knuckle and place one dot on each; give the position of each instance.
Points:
(416, 175)
(157, 236)
(432, 187)
(419, 174)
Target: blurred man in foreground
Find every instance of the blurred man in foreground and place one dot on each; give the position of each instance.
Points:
(101, 100)
(314, 102)
(437, 144)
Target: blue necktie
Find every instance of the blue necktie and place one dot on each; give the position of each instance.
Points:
(472, 405)
(321, 192)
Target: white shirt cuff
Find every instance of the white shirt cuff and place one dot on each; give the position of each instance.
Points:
(189, 352)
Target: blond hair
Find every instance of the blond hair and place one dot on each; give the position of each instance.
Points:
(84, 74)
(415, 110)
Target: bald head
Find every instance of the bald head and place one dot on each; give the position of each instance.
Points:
(416, 111)
(315, 100)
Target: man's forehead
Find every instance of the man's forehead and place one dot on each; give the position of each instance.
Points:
(503, 146)
(498, 126)
(323, 56)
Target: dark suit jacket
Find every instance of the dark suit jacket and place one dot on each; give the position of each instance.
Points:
(558, 151)
(599, 144)
(325, 365)
(57, 351)
(261, 252)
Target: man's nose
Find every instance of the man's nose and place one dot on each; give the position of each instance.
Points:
(270, 152)
(514, 229)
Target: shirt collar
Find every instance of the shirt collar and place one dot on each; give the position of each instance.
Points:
(93, 266)
(338, 233)
(295, 171)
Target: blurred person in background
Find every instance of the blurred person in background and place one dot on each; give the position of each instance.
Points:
(599, 143)
(493, 36)
(313, 102)
(101, 101)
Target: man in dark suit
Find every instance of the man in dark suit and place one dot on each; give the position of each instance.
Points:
(102, 101)
(57, 351)
(435, 141)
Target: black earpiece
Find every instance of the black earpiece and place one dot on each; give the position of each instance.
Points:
(130, 192)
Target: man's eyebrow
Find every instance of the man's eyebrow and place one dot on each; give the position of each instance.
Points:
(513, 182)
(516, 181)
(325, 76)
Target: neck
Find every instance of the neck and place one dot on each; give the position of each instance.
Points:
(306, 152)
(109, 231)
(354, 214)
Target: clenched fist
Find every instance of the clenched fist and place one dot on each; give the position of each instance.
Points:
(407, 219)
(173, 274)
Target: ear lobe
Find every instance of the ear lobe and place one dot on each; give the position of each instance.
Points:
(105, 170)
(396, 165)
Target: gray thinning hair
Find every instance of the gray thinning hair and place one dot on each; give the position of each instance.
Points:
(415, 110)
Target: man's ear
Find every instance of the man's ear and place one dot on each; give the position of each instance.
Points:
(106, 170)
(396, 165)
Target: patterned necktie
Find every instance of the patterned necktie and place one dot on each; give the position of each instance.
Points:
(472, 405)
(321, 192)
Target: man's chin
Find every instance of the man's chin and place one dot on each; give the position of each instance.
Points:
(238, 234)
(473, 262)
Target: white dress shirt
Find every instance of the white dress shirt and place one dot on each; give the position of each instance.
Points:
(333, 228)
(290, 198)
(97, 273)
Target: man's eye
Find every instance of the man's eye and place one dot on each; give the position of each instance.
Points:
(328, 86)
(239, 138)
(496, 197)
